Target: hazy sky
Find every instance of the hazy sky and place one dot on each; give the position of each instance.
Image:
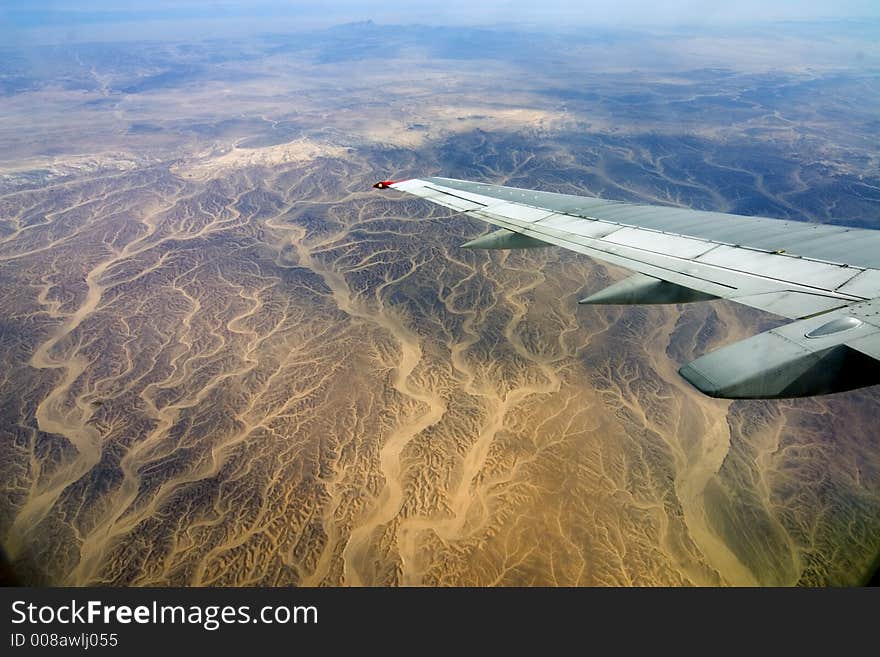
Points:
(111, 19)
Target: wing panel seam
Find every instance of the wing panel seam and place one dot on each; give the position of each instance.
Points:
(530, 230)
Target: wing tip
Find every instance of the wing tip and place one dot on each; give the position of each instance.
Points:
(386, 184)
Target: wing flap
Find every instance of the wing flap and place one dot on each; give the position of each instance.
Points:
(674, 245)
(780, 267)
(790, 304)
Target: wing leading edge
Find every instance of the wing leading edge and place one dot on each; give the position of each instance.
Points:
(813, 273)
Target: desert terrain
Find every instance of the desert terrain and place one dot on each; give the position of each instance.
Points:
(226, 360)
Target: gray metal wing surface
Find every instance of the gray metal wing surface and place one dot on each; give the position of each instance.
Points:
(819, 275)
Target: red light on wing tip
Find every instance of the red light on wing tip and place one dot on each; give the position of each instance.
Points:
(384, 184)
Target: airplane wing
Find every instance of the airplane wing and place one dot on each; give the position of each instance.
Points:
(825, 278)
